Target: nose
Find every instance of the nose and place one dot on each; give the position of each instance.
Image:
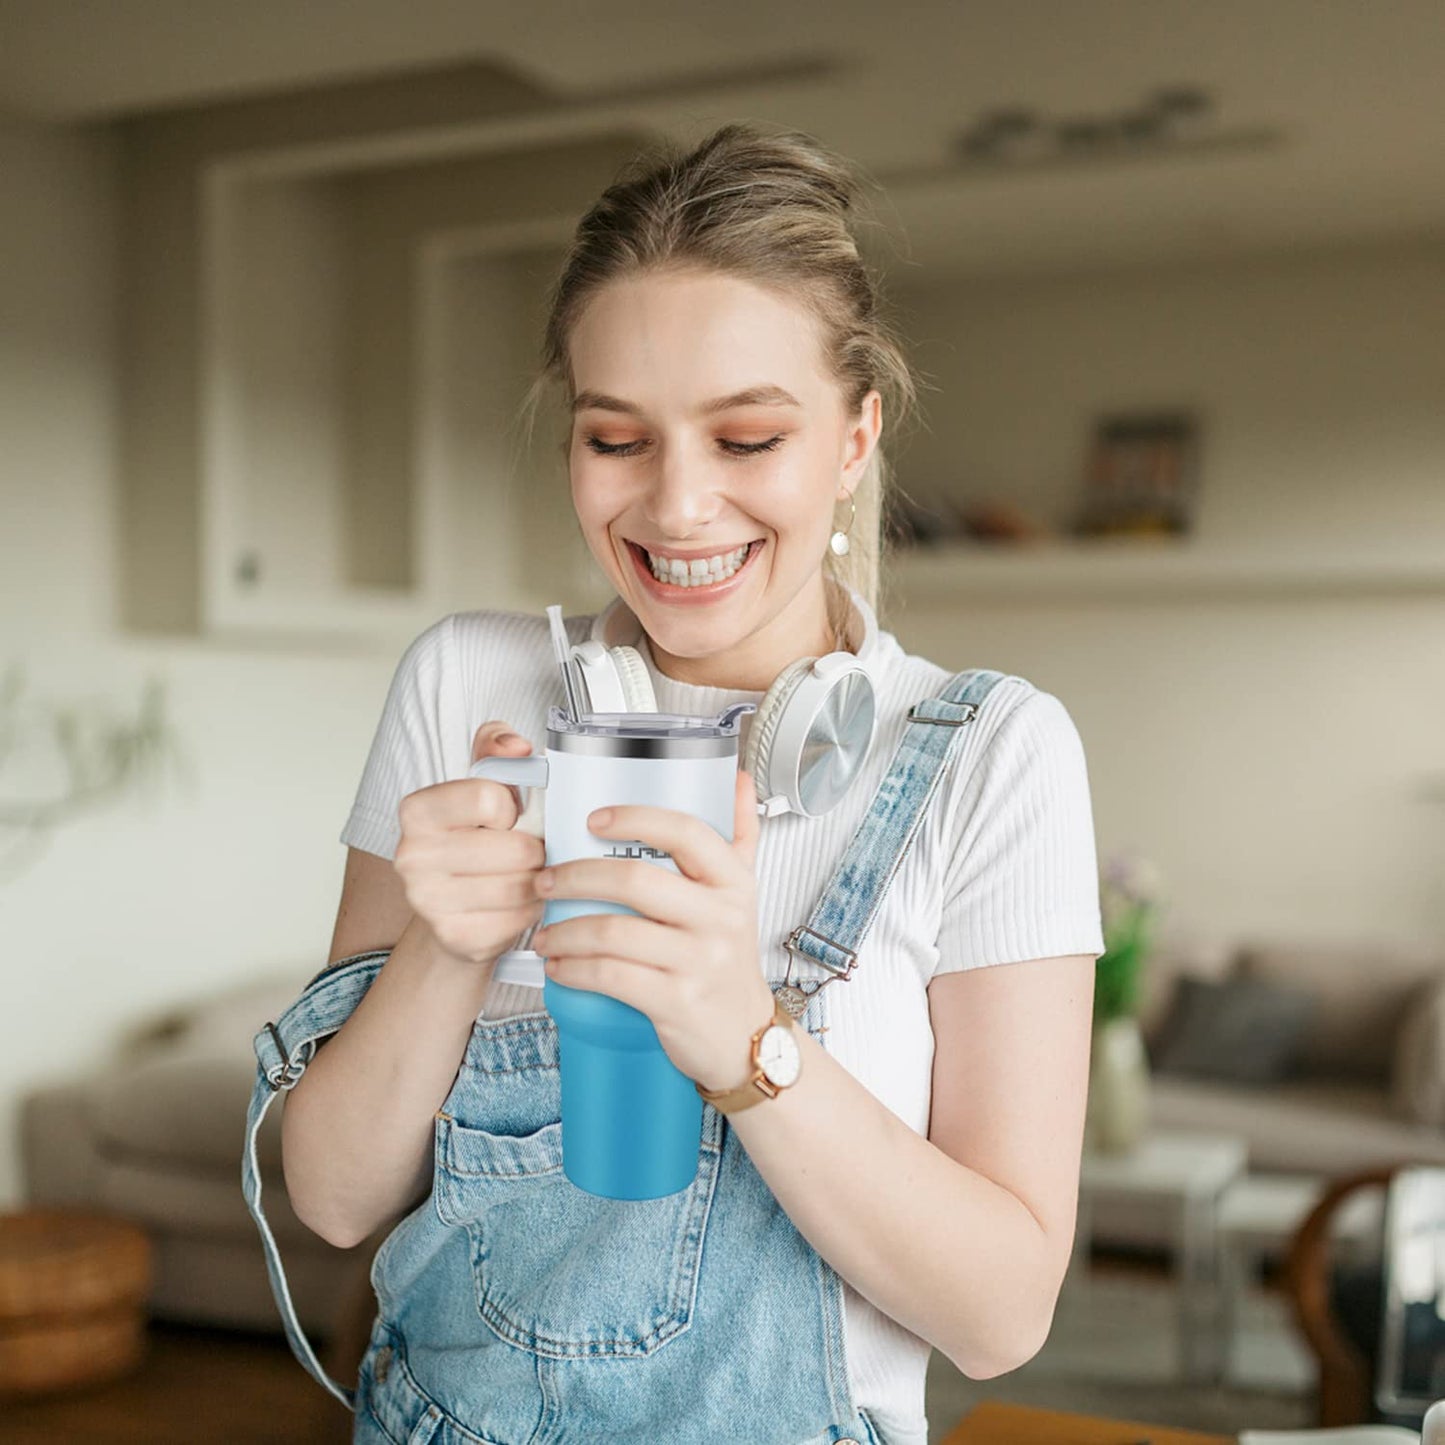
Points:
(681, 498)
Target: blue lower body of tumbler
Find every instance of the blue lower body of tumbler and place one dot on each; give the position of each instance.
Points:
(631, 1119)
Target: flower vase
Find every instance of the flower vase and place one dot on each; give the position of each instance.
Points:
(1117, 1113)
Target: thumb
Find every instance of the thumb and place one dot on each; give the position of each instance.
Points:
(745, 818)
(495, 737)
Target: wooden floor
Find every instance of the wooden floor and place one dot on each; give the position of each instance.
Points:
(194, 1386)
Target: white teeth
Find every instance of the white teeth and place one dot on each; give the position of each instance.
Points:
(700, 571)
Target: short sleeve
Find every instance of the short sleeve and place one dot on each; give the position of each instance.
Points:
(1022, 878)
(407, 749)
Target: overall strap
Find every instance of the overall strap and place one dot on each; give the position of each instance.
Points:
(835, 931)
(283, 1049)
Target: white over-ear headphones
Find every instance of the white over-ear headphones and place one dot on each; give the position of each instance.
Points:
(812, 731)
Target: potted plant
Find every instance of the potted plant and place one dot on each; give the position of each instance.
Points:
(1118, 1108)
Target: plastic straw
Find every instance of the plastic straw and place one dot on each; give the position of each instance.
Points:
(561, 648)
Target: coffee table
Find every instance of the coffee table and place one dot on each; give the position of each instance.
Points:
(1184, 1174)
(1258, 1216)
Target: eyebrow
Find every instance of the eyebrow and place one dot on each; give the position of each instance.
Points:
(753, 396)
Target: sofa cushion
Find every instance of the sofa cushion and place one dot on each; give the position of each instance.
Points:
(225, 1019)
(1364, 990)
(225, 1023)
(182, 1110)
(199, 1202)
(1417, 1081)
(1247, 1030)
(182, 1100)
(1174, 957)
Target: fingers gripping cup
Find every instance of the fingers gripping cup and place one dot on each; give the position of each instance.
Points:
(631, 1120)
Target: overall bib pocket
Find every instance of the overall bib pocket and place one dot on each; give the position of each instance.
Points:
(561, 1272)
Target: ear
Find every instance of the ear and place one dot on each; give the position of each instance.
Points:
(860, 439)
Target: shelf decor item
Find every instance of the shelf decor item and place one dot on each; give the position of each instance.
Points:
(1001, 522)
(1118, 1107)
(1142, 476)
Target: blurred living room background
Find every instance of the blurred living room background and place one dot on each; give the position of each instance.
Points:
(1173, 274)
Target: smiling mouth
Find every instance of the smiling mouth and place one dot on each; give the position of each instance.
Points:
(699, 571)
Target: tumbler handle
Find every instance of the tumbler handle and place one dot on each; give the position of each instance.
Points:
(529, 772)
(516, 965)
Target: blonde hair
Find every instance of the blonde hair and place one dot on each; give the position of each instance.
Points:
(773, 208)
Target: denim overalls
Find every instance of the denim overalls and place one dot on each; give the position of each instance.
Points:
(516, 1309)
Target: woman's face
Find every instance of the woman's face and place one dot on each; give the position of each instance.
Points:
(708, 439)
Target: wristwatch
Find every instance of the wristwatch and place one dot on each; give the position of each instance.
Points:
(777, 1062)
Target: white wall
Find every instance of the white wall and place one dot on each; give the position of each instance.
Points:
(152, 901)
(1272, 755)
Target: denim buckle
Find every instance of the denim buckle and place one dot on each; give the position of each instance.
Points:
(970, 711)
(791, 944)
(285, 1075)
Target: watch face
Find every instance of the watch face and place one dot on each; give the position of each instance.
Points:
(778, 1056)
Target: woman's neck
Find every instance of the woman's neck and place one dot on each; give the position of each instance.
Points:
(802, 630)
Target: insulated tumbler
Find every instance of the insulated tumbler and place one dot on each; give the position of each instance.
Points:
(631, 1120)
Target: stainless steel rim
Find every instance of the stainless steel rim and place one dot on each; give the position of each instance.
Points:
(595, 745)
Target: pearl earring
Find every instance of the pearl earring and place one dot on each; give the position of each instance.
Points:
(838, 542)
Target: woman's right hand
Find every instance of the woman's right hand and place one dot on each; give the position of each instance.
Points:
(466, 869)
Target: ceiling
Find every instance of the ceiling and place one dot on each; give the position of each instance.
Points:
(1350, 90)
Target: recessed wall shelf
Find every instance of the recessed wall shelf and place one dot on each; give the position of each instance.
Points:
(330, 308)
(1121, 569)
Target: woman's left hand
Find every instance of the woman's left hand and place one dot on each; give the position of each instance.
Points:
(690, 960)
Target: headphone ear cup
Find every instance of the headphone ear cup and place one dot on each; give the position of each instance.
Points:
(757, 755)
(614, 678)
(633, 675)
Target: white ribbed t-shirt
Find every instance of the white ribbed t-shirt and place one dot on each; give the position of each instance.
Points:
(1002, 868)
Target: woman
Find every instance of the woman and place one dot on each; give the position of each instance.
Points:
(721, 347)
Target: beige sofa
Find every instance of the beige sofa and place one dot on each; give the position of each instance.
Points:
(157, 1134)
(1368, 1087)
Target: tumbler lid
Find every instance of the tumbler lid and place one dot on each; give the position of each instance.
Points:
(647, 734)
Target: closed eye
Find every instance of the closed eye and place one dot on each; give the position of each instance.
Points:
(730, 448)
